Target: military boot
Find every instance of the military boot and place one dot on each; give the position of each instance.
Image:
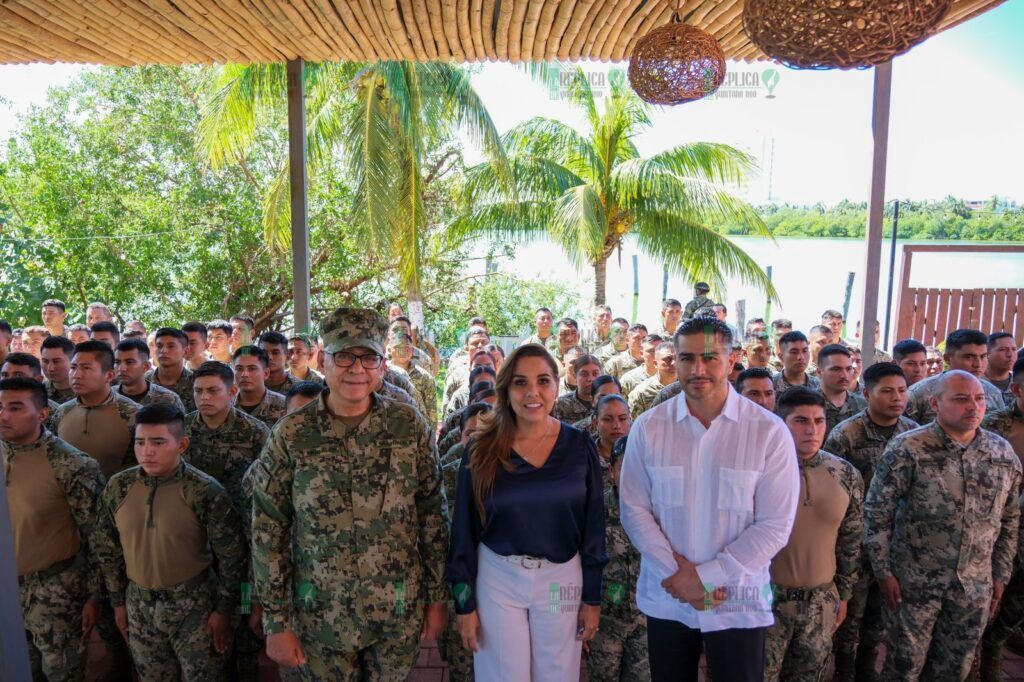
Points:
(990, 665)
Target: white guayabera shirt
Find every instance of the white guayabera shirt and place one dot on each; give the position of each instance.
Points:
(723, 497)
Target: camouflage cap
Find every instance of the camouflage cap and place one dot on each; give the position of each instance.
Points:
(703, 287)
(353, 328)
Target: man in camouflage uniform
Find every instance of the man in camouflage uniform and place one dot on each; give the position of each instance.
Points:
(796, 356)
(54, 313)
(632, 357)
(424, 389)
(52, 490)
(618, 652)
(836, 376)
(860, 440)
(131, 362)
(424, 354)
(1002, 353)
(460, 398)
(671, 316)
(641, 397)
(575, 405)
(302, 351)
(699, 302)
(218, 335)
(164, 527)
(755, 384)
(966, 350)
(600, 334)
(814, 574)
(458, 371)
(275, 345)
(55, 358)
(542, 321)
(645, 369)
(617, 341)
(349, 532)
(170, 372)
(941, 528)
(251, 366)
(1008, 423)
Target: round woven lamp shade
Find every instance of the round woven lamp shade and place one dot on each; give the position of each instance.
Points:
(840, 34)
(676, 63)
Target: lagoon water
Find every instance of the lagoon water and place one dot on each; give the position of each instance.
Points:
(809, 274)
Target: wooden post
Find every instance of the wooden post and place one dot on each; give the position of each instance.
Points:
(741, 318)
(13, 647)
(636, 288)
(846, 301)
(768, 301)
(298, 186)
(892, 271)
(876, 203)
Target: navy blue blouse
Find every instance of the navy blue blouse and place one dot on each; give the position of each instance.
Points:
(553, 513)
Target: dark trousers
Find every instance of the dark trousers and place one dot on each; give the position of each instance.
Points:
(735, 655)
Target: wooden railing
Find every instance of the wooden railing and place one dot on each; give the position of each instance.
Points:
(929, 314)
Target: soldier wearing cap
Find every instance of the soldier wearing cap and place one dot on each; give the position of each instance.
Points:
(700, 300)
(349, 529)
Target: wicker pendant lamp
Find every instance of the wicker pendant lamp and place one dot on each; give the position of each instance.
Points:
(840, 34)
(676, 63)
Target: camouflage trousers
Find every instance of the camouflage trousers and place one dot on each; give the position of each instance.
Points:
(1009, 615)
(618, 652)
(167, 633)
(449, 645)
(51, 606)
(797, 647)
(864, 628)
(388, 660)
(933, 634)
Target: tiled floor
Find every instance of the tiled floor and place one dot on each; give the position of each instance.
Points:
(430, 668)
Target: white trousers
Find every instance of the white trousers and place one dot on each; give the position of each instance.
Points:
(528, 620)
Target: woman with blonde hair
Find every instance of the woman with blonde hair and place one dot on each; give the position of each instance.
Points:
(528, 544)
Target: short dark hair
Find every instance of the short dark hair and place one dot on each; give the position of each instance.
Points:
(542, 310)
(5, 327)
(831, 313)
(752, 373)
(493, 347)
(583, 361)
(274, 339)
(621, 321)
(174, 332)
(705, 326)
(254, 351)
(821, 329)
(162, 413)
(477, 321)
(671, 301)
(907, 347)
(568, 322)
(37, 388)
(791, 337)
(1018, 370)
(222, 325)
(194, 326)
(104, 353)
(605, 379)
(401, 318)
(24, 360)
(306, 389)
(133, 334)
(782, 322)
(833, 349)
(653, 338)
(54, 303)
(242, 317)
(108, 327)
(637, 327)
(214, 368)
(878, 371)
(79, 327)
(62, 342)
(751, 337)
(481, 369)
(992, 338)
(610, 398)
(754, 320)
(134, 344)
(479, 387)
(797, 396)
(472, 410)
(958, 338)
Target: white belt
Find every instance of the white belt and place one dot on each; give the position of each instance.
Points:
(527, 561)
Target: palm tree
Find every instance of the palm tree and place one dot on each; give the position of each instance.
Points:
(383, 119)
(589, 192)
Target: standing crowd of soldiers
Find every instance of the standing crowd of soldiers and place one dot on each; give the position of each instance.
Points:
(200, 494)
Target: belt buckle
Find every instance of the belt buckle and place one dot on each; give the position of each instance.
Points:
(529, 562)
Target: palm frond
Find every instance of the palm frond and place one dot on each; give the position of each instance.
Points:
(240, 96)
(579, 224)
(708, 161)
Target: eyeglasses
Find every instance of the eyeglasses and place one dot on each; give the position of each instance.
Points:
(344, 359)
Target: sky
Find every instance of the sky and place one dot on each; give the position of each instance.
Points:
(955, 128)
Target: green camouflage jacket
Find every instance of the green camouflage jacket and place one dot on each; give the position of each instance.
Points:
(226, 452)
(860, 441)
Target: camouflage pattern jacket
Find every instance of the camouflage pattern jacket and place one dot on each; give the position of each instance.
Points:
(226, 452)
(919, 409)
(570, 408)
(860, 441)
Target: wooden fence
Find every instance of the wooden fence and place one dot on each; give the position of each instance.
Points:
(929, 314)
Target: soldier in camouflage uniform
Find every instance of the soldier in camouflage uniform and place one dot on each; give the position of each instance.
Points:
(645, 369)
(575, 405)
(1008, 423)
(603, 385)
(617, 341)
(279, 379)
(170, 372)
(424, 388)
(55, 358)
(966, 350)
(463, 396)
(131, 362)
(814, 574)
(796, 355)
(349, 530)
(941, 528)
(27, 367)
(302, 351)
(52, 490)
(699, 302)
(600, 334)
(1002, 353)
(671, 316)
(860, 440)
(164, 527)
(667, 393)
(836, 376)
(458, 369)
(641, 397)
(251, 369)
(542, 321)
(483, 391)
(632, 357)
